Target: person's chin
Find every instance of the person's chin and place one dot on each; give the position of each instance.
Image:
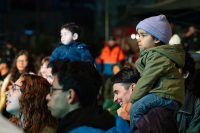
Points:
(66, 43)
(140, 46)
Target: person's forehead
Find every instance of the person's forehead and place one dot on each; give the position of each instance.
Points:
(141, 31)
(119, 87)
(64, 30)
(48, 71)
(22, 57)
(19, 81)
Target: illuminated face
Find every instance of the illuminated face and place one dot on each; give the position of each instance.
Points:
(145, 40)
(111, 43)
(22, 62)
(58, 104)
(12, 101)
(43, 70)
(121, 95)
(66, 36)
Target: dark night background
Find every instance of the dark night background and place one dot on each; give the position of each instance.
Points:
(35, 24)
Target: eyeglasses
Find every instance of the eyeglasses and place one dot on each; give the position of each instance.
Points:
(52, 89)
(24, 60)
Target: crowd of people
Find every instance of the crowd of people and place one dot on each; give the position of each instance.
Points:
(151, 95)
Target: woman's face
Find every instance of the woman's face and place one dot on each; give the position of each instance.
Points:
(12, 101)
(43, 70)
(22, 62)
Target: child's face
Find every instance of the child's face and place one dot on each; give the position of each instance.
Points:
(66, 36)
(145, 40)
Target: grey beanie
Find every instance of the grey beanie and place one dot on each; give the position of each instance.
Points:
(157, 26)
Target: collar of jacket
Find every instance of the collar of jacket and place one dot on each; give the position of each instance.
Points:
(93, 116)
(174, 52)
(73, 44)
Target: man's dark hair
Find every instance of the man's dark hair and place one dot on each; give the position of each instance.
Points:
(72, 27)
(81, 76)
(188, 67)
(126, 77)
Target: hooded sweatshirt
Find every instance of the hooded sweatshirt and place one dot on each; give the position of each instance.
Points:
(159, 74)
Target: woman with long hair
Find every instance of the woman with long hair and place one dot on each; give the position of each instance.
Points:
(26, 102)
(43, 68)
(21, 64)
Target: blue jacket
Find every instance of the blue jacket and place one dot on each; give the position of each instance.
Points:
(73, 51)
(121, 127)
(92, 119)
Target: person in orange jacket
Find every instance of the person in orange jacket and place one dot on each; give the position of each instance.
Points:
(111, 54)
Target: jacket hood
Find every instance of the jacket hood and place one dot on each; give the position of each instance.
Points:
(93, 116)
(173, 52)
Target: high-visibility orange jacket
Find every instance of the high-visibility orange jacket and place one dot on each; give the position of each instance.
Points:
(110, 57)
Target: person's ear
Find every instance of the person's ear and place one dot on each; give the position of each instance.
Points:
(132, 86)
(72, 96)
(185, 75)
(156, 40)
(75, 36)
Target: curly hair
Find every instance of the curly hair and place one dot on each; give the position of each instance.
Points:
(33, 105)
(29, 68)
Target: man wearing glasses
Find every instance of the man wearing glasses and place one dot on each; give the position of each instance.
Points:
(73, 99)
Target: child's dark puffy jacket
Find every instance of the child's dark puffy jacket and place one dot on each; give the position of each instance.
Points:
(73, 51)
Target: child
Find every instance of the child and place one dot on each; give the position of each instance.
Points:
(71, 49)
(161, 84)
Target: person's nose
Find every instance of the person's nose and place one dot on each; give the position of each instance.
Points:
(115, 98)
(48, 97)
(139, 39)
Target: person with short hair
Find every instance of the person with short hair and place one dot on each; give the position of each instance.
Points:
(157, 120)
(188, 115)
(110, 55)
(73, 99)
(71, 49)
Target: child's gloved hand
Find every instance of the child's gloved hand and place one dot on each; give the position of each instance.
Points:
(124, 111)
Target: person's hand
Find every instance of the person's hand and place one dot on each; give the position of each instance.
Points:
(124, 112)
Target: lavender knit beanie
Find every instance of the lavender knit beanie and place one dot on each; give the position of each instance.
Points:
(157, 26)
